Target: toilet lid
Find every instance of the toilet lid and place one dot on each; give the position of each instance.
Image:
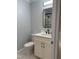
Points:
(28, 44)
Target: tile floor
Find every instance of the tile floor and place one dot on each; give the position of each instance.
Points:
(26, 54)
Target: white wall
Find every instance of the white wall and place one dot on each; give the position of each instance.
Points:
(36, 11)
(23, 23)
(36, 16)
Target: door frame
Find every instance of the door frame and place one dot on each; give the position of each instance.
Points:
(55, 27)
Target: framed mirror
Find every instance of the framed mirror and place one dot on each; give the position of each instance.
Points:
(47, 14)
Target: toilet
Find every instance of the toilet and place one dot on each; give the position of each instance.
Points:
(29, 47)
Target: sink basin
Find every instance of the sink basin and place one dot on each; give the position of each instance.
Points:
(43, 35)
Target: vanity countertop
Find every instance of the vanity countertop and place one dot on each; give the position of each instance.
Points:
(43, 35)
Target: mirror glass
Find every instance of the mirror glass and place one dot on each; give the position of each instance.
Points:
(47, 17)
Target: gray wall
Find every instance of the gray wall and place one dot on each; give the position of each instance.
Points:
(36, 11)
(23, 23)
(36, 16)
(29, 20)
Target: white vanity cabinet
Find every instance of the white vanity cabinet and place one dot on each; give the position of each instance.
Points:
(42, 47)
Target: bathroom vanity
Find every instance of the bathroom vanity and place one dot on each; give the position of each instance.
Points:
(42, 45)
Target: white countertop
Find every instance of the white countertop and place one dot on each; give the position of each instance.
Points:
(43, 35)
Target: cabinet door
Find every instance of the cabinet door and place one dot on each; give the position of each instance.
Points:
(47, 49)
(37, 47)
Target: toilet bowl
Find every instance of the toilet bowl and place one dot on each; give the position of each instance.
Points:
(29, 44)
(29, 47)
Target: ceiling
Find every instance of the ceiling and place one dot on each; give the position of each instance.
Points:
(33, 0)
(30, 1)
(38, 0)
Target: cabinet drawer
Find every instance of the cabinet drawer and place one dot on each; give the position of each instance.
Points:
(35, 38)
(45, 39)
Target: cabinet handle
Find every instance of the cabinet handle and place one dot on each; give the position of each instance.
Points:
(42, 45)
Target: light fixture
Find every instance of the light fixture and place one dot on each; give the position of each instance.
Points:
(48, 2)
